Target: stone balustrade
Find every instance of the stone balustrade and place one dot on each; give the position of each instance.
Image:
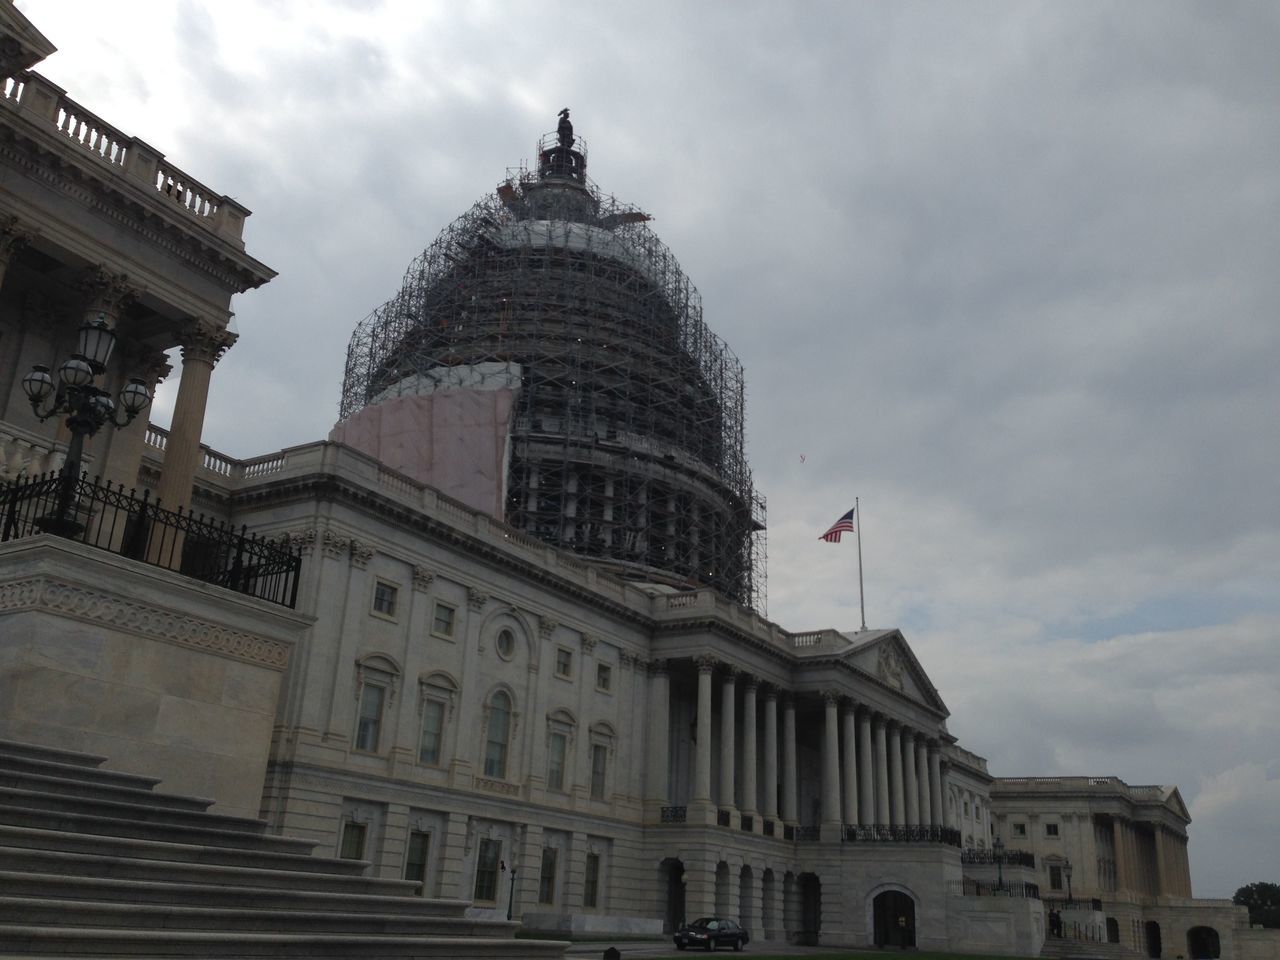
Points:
(24, 454)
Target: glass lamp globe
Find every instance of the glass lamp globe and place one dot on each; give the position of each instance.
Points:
(38, 385)
(76, 372)
(96, 342)
(134, 397)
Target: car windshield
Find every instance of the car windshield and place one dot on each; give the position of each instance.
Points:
(704, 922)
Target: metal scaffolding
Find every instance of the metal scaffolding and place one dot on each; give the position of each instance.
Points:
(627, 439)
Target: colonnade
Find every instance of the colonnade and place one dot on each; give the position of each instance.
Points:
(876, 770)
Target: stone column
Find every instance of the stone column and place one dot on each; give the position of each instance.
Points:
(866, 781)
(912, 792)
(922, 776)
(203, 344)
(849, 758)
(1122, 855)
(789, 761)
(882, 773)
(831, 761)
(656, 787)
(937, 812)
(771, 756)
(727, 738)
(897, 807)
(702, 754)
(749, 789)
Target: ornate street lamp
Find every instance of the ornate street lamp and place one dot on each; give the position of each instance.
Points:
(1066, 872)
(998, 848)
(87, 407)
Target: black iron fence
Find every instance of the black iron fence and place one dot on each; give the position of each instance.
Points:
(675, 814)
(1010, 858)
(109, 518)
(883, 833)
(974, 888)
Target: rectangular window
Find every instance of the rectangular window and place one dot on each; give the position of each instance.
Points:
(564, 663)
(1050, 829)
(415, 861)
(591, 882)
(442, 620)
(487, 870)
(1019, 829)
(557, 747)
(432, 730)
(351, 846)
(384, 599)
(599, 759)
(547, 877)
(604, 677)
(1055, 877)
(369, 724)
(966, 809)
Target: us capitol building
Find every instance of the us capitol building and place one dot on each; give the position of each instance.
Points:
(496, 639)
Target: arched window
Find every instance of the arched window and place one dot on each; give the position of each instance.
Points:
(498, 738)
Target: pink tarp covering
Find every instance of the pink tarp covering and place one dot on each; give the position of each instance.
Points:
(453, 440)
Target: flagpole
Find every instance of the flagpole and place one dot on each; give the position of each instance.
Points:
(862, 602)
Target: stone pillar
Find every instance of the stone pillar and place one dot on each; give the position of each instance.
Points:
(749, 787)
(866, 781)
(727, 738)
(771, 756)
(922, 776)
(203, 344)
(882, 773)
(526, 860)
(831, 761)
(1122, 855)
(897, 811)
(702, 754)
(849, 734)
(656, 786)
(151, 367)
(937, 810)
(789, 761)
(912, 792)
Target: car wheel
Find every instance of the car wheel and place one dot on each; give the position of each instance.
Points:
(739, 943)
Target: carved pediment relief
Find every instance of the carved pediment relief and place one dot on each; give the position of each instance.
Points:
(887, 657)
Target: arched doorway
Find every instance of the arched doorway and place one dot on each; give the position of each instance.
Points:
(894, 914)
(747, 901)
(672, 873)
(1113, 930)
(810, 910)
(768, 922)
(724, 905)
(1203, 943)
(1153, 939)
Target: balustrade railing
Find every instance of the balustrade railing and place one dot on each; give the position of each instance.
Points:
(807, 834)
(1010, 858)
(972, 888)
(675, 814)
(901, 833)
(108, 518)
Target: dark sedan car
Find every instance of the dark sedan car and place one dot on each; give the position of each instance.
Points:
(711, 932)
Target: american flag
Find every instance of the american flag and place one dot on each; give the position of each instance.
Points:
(843, 525)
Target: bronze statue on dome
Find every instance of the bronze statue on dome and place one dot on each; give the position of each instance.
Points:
(565, 129)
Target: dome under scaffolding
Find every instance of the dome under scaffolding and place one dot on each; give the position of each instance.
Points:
(626, 438)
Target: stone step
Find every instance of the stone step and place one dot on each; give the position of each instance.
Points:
(17, 748)
(33, 941)
(35, 911)
(140, 812)
(21, 859)
(40, 818)
(65, 842)
(41, 782)
(196, 894)
(18, 761)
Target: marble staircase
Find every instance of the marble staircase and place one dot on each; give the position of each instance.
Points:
(97, 864)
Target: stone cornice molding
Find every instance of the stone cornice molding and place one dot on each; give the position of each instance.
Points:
(148, 620)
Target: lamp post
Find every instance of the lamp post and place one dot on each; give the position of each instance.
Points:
(1066, 872)
(86, 405)
(998, 848)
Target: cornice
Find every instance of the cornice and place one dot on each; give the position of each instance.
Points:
(47, 593)
(126, 205)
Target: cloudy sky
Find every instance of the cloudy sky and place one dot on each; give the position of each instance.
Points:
(1007, 271)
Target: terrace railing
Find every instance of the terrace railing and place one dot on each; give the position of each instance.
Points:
(883, 833)
(128, 525)
(1010, 858)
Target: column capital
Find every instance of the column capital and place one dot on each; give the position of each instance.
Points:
(657, 668)
(145, 362)
(107, 292)
(730, 674)
(706, 663)
(771, 692)
(14, 235)
(204, 340)
(546, 627)
(830, 697)
(750, 682)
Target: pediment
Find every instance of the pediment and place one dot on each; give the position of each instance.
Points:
(886, 656)
(1174, 800)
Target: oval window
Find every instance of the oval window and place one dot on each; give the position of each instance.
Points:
(506, 644)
